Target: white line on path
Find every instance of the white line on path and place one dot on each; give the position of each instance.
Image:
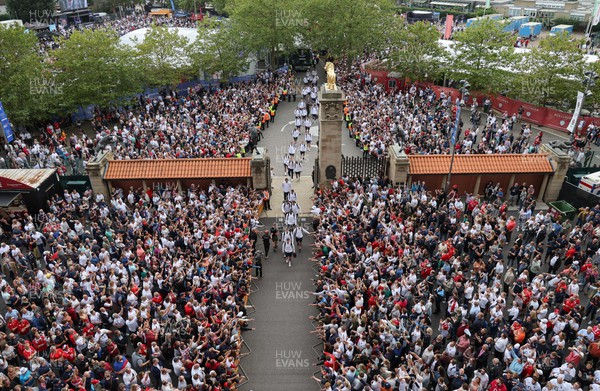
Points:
(289, 123)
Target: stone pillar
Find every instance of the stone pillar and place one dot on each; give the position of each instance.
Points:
(511, 182)
(330, 134)
(95, 170)
(543, 188)
(259, 167)
(399, 165)
(560, 162)
(477, 185)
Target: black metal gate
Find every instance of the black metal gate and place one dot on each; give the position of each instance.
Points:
(364, 167)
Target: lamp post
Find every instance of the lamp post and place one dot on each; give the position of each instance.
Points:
(464, 91)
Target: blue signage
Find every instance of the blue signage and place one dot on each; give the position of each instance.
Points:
(7, 129)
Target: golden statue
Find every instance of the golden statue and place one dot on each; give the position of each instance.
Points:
(330, 76)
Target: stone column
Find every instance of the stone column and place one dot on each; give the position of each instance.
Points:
(95, 170)
(543, 188)
(399, 165)
(477, 185)
(330, 134)
(259, 168)
(560, 162)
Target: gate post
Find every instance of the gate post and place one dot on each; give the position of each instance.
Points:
(330, 134)
(95, 169)
(398, 165)
(560, 162)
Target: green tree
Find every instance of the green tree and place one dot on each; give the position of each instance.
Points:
(92, 67)
(416, 52)
(21, 68)
(480, 53)
(164, 57)
(219, 50)
(270, 27)
(549, 73)
(31, 10)
(346, 28)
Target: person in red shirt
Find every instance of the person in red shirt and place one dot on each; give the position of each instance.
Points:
(26, 351)
(497, 385)
(39, 342)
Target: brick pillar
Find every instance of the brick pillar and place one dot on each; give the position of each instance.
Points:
(330, 134)
(95, 170)
(560, 162)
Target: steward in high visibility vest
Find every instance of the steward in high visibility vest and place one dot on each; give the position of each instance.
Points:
(266, 119)
(273, 111)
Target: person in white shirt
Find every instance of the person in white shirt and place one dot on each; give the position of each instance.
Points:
(129, 378)
(286, 186)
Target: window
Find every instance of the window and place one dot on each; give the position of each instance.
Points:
(391, 83)
(515, 11)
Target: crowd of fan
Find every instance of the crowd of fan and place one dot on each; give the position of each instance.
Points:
(144, 290)
(422, 122)
(423, 290)
(225, 121)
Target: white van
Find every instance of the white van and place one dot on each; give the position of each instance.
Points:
(591, 183)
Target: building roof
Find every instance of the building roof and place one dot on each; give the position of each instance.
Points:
(479, 164)
(24, 178)
(178, 168)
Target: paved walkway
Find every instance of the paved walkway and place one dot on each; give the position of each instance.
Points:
(282, 354)
(302, 187)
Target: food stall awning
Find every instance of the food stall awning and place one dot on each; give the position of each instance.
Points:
(7, 198)
(27, 179)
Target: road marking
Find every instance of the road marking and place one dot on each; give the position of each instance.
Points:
(284, 126)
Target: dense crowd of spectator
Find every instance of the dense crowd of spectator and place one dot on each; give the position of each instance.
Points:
(144, 290)
(420, 289)
(422, 122)
(213, 121)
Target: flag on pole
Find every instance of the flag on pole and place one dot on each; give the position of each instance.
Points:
(573, 122)
(596, 14)
(449, 25)
(487, 4)
(456, 125)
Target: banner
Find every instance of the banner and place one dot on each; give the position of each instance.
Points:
(449, 25)
(9, 136)
(596, 18)
(457, 124)
(573, 122)
(487, 4)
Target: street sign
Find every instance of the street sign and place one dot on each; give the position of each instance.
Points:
(6, 128)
